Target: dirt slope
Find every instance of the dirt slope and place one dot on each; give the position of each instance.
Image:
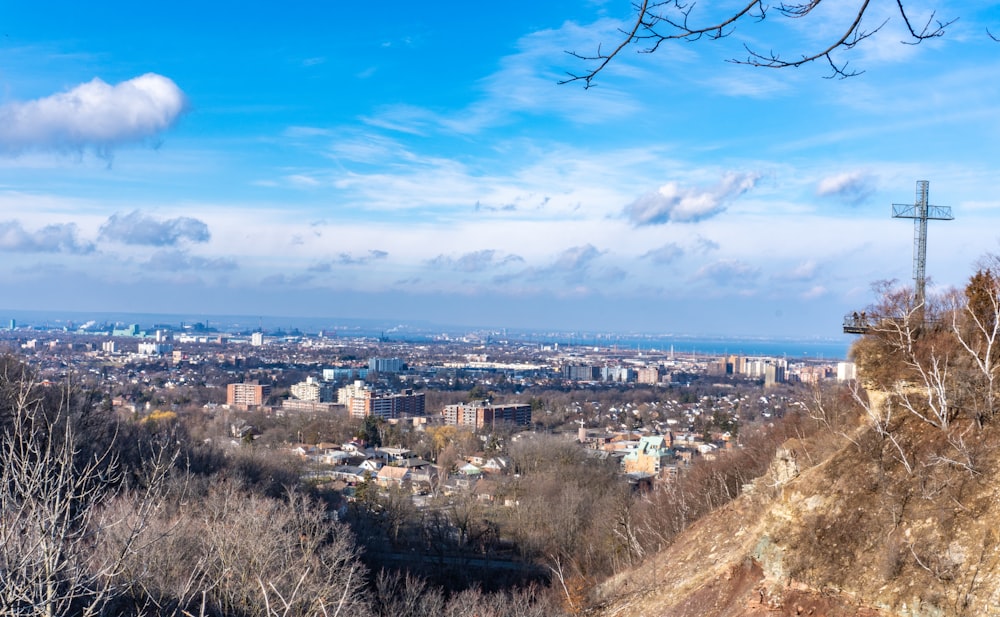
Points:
(870, 530)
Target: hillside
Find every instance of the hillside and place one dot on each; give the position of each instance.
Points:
(892, 508)
(839, 526)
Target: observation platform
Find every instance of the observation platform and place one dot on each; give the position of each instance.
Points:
(857, 323)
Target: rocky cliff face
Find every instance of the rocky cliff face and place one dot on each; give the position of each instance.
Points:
(895, 520)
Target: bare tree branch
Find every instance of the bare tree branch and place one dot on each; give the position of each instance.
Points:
(671, 20)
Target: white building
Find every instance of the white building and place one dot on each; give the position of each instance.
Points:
(312, 390)
(847, 371)
(154, 349)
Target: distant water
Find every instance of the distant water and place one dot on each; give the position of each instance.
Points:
(833, 348)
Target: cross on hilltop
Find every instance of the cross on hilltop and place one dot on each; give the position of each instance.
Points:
(920, 212)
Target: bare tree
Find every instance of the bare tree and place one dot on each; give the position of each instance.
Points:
(55, 504)
(658, 22)
(880, 417)
(278, 557)
(976, 323)
(911, 351)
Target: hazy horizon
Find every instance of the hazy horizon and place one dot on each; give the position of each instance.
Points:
(835, 347)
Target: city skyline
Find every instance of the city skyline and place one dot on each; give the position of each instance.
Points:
(425, 165)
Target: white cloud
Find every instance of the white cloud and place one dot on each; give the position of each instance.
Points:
(55, 238)
(143, 229)
(727, 271)
(816, 291)
(665, 254)
(672, 202)
(93, 115)
(804, 271)
(853, 187)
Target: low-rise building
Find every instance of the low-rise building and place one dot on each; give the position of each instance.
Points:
(652, 456)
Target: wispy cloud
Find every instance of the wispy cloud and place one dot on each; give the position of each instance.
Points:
(283, 280)
(476, 261)
(143, 229)
(668, 253)
(726, 271)
(853, 187)
(572, 266)
(348, 259)
(705, 245)
(526, 83)
(803, 272)
(174, 260)
(575, 259)
(675, 203)
(56, 238)
(816, 291)
(93, 115)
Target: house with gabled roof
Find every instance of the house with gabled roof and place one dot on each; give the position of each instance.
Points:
(497, 464)
(392, 476)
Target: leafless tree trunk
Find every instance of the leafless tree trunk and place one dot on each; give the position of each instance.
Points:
(53, 506)
(976, 323)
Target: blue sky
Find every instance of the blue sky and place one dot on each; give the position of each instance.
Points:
(420, 161)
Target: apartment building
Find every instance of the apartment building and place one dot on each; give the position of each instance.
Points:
(482, 414)
(247, 394)
(363, 400)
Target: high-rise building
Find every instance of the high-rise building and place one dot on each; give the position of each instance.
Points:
(581, 373)
(385, 365)
(248, 394)
(846, 371)
(648, 375)
(774, 373)
(312, 390)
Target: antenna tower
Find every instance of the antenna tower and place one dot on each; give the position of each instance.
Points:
(920, 212)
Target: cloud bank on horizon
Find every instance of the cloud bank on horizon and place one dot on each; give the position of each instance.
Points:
(325, 169)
